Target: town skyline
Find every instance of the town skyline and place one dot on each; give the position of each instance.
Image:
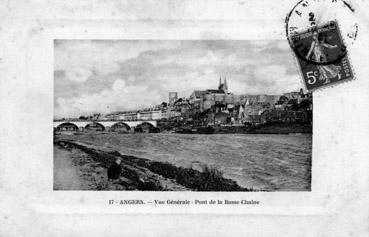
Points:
(90, 76)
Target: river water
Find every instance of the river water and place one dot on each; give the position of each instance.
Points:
(263, 161)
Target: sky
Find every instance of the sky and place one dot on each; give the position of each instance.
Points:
(101, 76)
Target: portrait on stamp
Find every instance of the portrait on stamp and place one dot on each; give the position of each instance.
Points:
(322, 56)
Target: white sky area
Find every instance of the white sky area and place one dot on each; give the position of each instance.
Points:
(113, 75)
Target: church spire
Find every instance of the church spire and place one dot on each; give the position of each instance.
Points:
(225, 84)
(220, 81)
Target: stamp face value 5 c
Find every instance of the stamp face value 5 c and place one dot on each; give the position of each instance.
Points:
(322, 56)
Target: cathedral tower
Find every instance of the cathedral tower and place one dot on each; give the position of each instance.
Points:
(223, 86)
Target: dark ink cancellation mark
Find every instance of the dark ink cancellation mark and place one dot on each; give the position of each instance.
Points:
(309, 13)
(322, 56)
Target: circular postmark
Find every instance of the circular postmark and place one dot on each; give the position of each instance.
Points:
(311, 26)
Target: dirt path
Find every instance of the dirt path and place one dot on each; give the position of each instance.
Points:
(75, 170)
(65, 173)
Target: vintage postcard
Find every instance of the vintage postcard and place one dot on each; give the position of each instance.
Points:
(184, 118)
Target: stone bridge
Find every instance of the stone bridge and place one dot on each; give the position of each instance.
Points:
(104, 124)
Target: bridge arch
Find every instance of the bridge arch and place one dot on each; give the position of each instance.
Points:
(146, 124)
(67, 126)
(146, 127)
(120, 126)
(95, 126)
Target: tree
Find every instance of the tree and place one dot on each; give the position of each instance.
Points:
(282, 99)
(305, 104)
(293, 105)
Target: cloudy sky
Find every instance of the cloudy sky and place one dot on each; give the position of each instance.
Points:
(110, 75)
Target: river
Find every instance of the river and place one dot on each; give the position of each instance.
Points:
(262, 161)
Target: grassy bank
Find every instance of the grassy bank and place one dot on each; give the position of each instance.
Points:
(144, 174)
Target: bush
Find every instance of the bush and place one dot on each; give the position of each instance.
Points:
(149, 186)
(211, 179)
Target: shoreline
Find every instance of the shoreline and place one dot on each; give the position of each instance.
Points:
(268, 128)
(145, 175)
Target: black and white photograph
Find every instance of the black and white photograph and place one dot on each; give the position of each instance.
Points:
(180, 115)
(162, 118)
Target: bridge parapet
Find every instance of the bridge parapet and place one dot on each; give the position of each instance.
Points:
(104, 123)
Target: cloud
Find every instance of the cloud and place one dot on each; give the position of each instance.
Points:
(78, 74)
(103, 56)
(275, 79)
(92, 76)
(271, 72)
(118, 97)
(118, 85)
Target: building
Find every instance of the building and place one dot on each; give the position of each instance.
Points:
(173, 97)
(152, 114)
(204, 99)
(196, 96)
(149, 115)
(223, 86)
(169, 113)
(128, 116)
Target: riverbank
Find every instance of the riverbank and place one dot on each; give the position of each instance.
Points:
(281, 128)
(261, 161)
(268, 128)
(138, 173)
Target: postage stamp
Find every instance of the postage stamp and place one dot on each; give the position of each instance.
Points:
(322, 56)
(320, 33)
